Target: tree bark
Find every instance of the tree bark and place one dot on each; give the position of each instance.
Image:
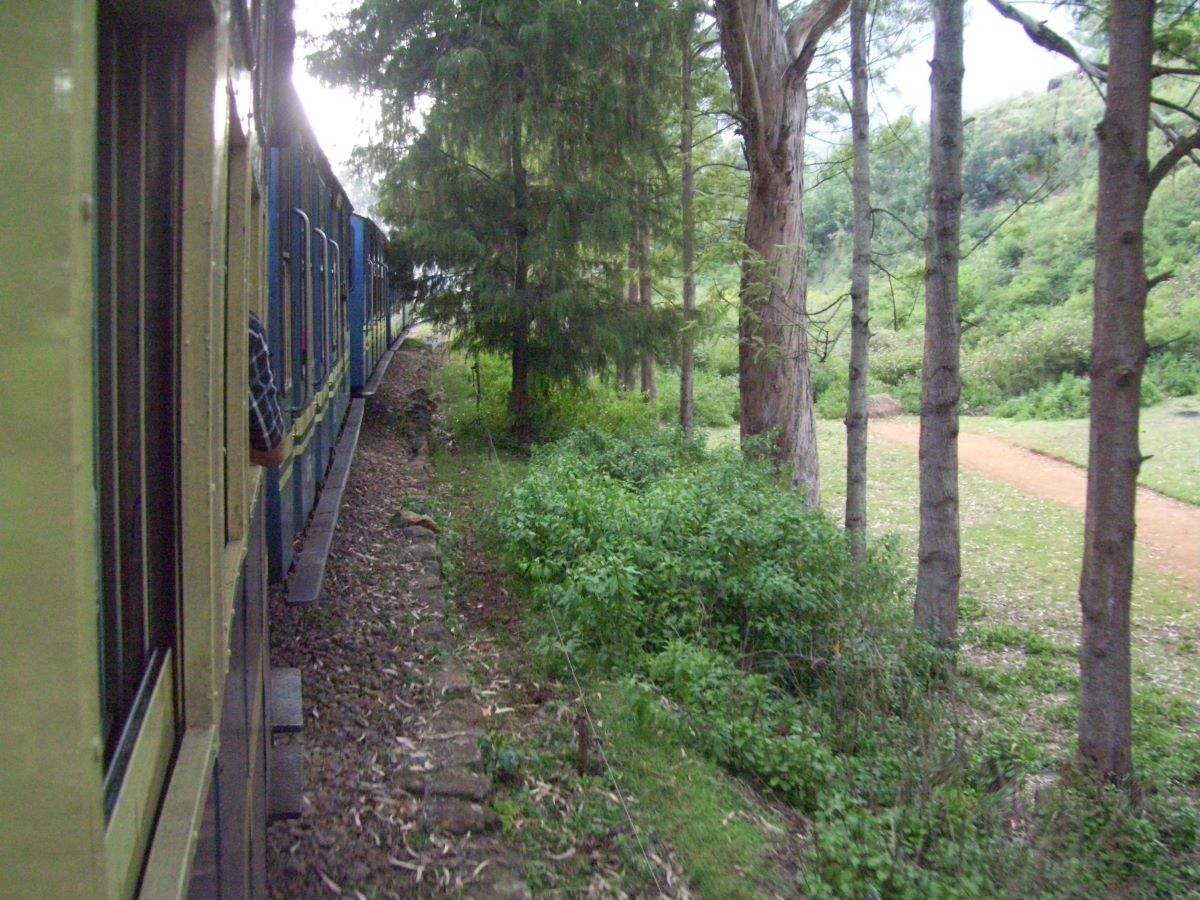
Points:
(939, 565)
(628, 375)
(687, 248)
(860, 288)
(519, 398)
(768, 64)
(1118, 357)
(646, 299)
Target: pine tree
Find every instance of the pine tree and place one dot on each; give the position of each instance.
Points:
(516, 186)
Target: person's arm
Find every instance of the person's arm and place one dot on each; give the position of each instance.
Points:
(266, 419)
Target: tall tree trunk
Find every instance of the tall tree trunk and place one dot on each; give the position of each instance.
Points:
(519, 398)
(687, 249)
(768, 64)
(939, 566)
(519, 401)
(646, 300)
(860, 289)
(628, 375)
(1118, 357)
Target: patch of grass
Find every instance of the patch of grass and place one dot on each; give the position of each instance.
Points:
(722, 835)
(1170, 440)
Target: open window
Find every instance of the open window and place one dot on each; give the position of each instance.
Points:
(138, 188)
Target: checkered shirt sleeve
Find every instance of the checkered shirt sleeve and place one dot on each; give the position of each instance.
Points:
(266, 421)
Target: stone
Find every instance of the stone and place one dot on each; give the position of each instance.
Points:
(426, 551)
(881, 406)
(449, 783)
(406, 518)
(500, 884)
(450, 680)
(432, 632)
(455, 816)
(460, 751)
(419, 533)
(457, 715)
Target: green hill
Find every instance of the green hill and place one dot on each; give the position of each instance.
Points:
(1026, 277)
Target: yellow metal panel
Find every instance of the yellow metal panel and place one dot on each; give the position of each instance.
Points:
(239, 284)
(51, 815)
(203, 240)
(178, 825)
(128, 833)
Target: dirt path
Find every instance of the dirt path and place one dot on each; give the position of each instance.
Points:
(396, 800)
(1169, 530)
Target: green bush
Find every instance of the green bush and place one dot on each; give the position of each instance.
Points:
(739, 617)
(716, 398)
(1068, 398)
(1174, 375)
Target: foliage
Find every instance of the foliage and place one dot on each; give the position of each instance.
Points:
(518, 195)
(1026, 278)
(915, 781)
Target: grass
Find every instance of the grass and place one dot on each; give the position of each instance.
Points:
(1021, 558)
(1170, 440)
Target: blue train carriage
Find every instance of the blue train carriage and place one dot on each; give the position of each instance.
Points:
(378, 314)
(138, 724)
(310, 262)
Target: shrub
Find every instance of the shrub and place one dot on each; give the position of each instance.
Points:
(1174, 375)
(1068, 398)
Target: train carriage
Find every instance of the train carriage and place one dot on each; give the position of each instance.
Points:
(163, 186)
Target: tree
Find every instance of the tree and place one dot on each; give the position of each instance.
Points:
(1118, 357)
(939, 565)
(687, 237)
(768, 63)
(515, 193)
(1138, 31)
(860, 288)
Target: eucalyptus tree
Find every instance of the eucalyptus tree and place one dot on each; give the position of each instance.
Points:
(768, 60)
(507, 149)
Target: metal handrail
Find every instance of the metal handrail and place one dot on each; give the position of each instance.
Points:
(306, 331)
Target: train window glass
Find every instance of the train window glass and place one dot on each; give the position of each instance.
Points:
(138, 182)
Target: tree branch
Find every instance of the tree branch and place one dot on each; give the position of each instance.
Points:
(1183, 147)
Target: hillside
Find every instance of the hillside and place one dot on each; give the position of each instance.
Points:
(1026, 276)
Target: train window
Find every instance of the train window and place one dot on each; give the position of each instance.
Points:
(138, 182)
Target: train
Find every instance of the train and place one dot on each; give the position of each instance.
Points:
(163, 185)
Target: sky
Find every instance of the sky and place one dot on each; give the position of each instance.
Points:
(1001, 62)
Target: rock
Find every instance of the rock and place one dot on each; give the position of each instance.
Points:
(432, 632)
(455, 816)
(406, 518)
(450, 680)
(501, 884)
(457, 715)
(418, 533)
(449, 783)
(426, 551)
(460, 751)
(881, 406)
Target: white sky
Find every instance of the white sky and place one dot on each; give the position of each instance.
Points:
(1001, 62)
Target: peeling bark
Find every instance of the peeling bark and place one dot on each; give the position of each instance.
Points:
(768, 64)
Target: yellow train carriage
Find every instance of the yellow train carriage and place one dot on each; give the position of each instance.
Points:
(135, 751)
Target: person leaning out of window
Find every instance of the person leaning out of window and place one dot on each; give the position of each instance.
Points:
(266, 420)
